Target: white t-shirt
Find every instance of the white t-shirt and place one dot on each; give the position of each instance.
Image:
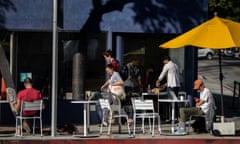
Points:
(171, 70)
(208, 99)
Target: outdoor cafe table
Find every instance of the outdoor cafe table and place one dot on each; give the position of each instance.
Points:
(86, 104)
(172, 101)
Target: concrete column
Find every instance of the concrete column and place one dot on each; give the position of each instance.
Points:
(119, 48)
(109, 39)
(178, 57)
(191, 68)
(78, 89)
(14, 56)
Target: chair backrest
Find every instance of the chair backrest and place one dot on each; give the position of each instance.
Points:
(164, 93)
(182, 93)
(104, 104)
(31, 105)
(139, 104)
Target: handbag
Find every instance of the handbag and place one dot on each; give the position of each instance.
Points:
(118, 91)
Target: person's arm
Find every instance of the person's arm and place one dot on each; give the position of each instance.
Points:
(204, 98)
(43, 105)
(17, 105)
(164, 72)
(199, 102)
(162, 75)
(104, 85)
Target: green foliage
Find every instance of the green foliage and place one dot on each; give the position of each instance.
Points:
(229, 9)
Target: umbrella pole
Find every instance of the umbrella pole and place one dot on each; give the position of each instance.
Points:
(221, 84)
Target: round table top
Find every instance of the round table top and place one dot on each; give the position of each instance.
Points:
(172, 100)
(83, 101)
(4, 101)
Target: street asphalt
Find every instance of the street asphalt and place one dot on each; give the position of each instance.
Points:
(208, 70)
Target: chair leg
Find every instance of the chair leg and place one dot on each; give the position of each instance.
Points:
(21, 127)
(159, 125)
(16, 129)
(101, 128)
(128, 127)
(34, 126)
(119, 125)
(153, 126)
(134, 125)
(103, 120)
(189, 124)
(150, 127)
(143, 129)
(41, 127)
(109, 126)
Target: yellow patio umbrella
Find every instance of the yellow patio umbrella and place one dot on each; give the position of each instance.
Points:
(216, 33)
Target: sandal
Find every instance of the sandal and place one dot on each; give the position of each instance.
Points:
(105, 124)
(130, 120)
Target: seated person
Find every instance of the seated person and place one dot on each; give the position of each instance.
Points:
(205, 105)
(28, 94)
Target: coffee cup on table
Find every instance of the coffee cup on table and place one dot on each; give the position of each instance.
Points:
(181, 98)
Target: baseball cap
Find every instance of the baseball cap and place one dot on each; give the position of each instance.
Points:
(197, 84)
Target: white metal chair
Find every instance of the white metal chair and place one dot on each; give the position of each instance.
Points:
(106, 108)
(182, 93)
(30, 106)
(144, 109)
(208, 117)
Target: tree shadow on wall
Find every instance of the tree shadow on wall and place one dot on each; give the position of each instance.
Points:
(5, 5)
(152, 15)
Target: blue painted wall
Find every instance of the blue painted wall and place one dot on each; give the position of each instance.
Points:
(164, 16)
(153, 16)
(26, 14)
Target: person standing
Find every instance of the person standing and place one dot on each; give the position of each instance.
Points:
(28, 94)
(114, 84)
(114, 87)
(171, 71)
(110, 59)
(133, 83)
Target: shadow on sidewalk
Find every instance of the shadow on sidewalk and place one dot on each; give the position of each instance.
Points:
(230, 110)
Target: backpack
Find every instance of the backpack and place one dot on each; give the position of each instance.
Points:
(123, 72)
(116, 65)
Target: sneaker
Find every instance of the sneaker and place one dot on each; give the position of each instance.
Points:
(18, 132)
(105, 124)
(180, 130)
